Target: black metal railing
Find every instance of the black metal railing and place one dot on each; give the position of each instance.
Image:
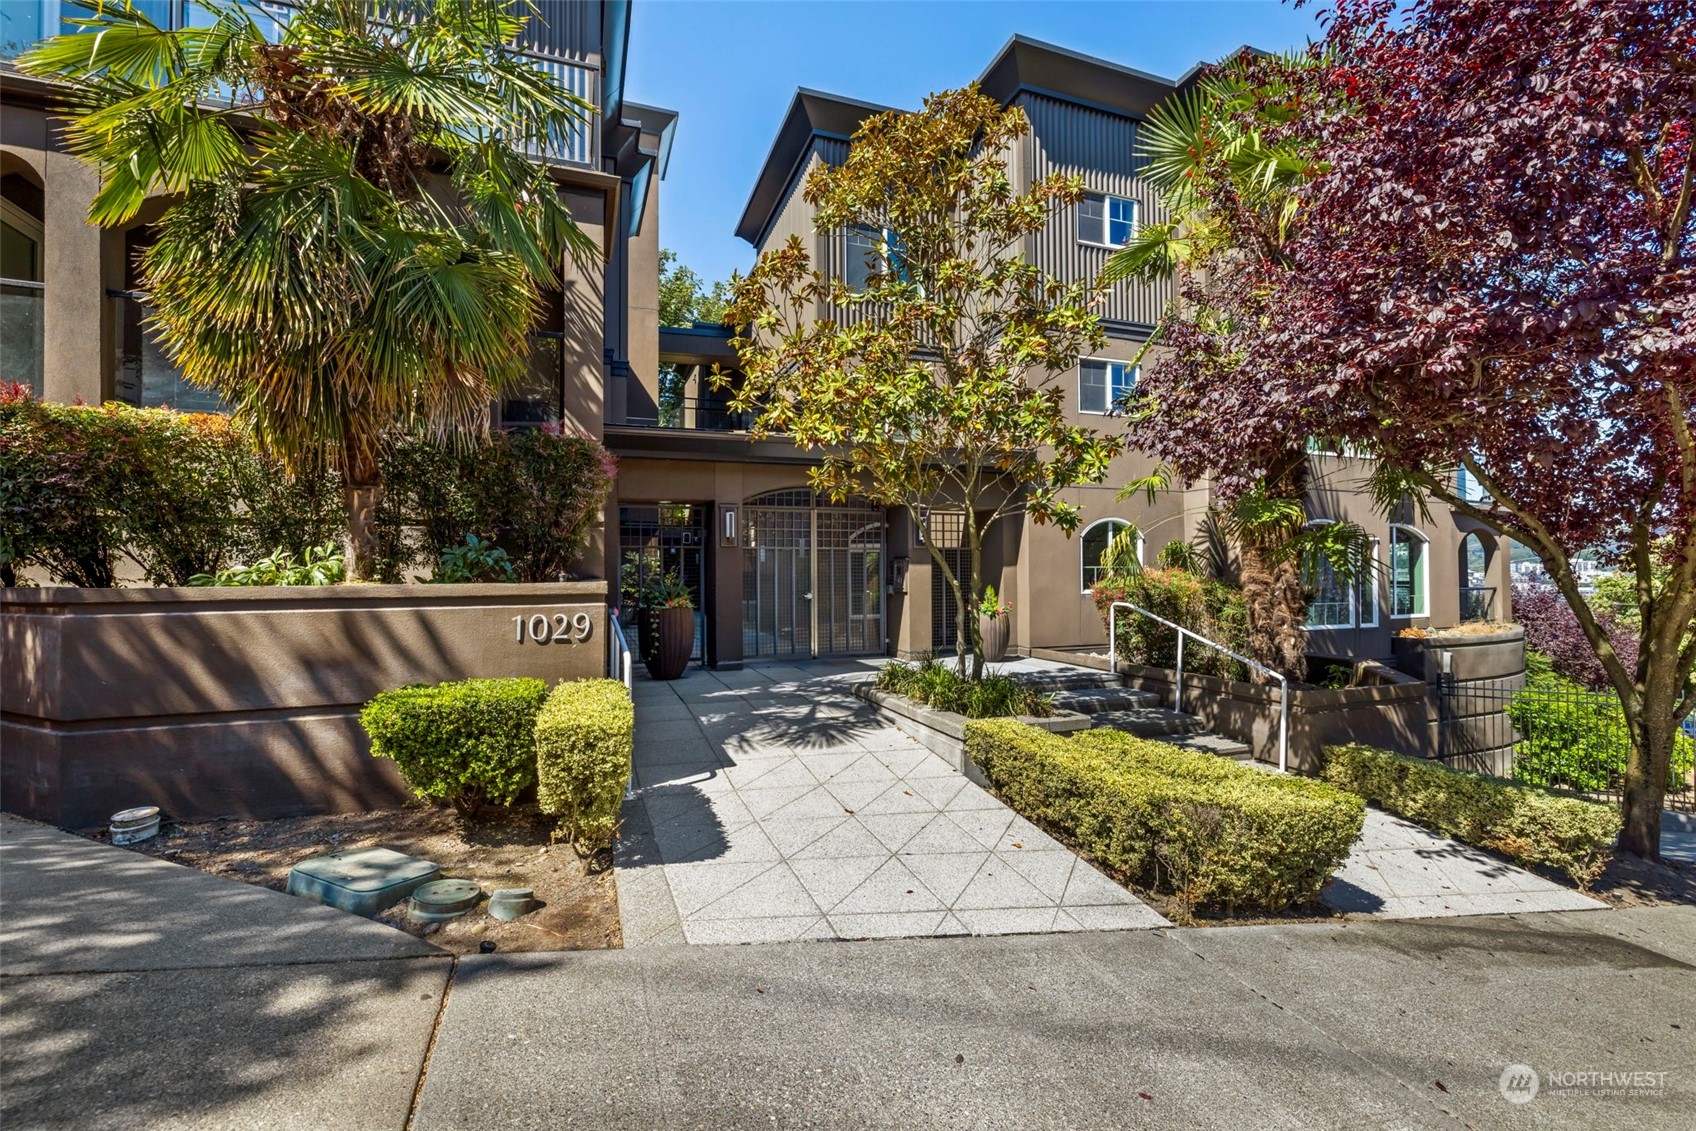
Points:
(1548, 734)
(701, 414)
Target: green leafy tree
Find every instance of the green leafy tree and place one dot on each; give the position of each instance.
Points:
(357, 236)
(684, 298)
(935, 385)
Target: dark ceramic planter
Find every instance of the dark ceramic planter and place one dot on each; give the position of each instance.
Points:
(674, 633)
(994, 632)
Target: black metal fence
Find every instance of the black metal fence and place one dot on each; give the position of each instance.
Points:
(1548, 735)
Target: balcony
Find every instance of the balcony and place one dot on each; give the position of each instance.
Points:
(704, 414)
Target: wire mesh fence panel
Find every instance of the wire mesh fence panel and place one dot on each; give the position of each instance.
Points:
(1549, 734)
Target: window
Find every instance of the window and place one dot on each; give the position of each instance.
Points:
(1335, 605)
(1102, 385)
(537, 400)
(871, 251)
(1095, 542)
(1408, 573)
(1468, 487)
(1106, 220)
(21, 323)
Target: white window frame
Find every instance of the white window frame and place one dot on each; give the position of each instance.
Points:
(31, 229)
(885, 239)
(1424, 588)
(1367, 585)
(1135, 375)
(1086, 590)
(1107, 199)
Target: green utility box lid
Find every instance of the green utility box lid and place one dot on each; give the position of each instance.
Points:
(364, 881)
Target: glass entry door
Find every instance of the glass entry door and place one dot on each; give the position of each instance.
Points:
(812, 579)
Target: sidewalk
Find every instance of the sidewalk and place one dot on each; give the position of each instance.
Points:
(142, 995)
(137, 993)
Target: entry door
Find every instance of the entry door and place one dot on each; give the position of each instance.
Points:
(812, 578)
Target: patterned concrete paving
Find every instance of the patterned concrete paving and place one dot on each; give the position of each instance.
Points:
(772, 805)
(1401, 871)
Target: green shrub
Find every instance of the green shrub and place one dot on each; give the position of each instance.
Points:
(1202, 605)
(1214, 833)
(320, 565)
(462, 743)
(1573, 738)
(584, 740)
(938, 685)
(1529, 825)
(474, 560)
(534, 493)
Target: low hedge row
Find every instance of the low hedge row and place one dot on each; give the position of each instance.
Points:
(460, 743)
(1524, 823)
(493, 740)
(584, 740)
(1213, 833)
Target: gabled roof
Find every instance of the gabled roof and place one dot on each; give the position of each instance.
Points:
(812, 114)
(1026, 64)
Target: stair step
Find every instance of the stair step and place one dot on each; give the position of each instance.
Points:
(1209, 743)
(1149, 722)
(1080, 680)
(1095, 700)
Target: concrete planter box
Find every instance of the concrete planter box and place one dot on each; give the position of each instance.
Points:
(245, 701)
(1479, 671)
(944, 733)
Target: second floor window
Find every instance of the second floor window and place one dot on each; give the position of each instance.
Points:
(871, 251)
(1106, 220)
(1103, 384)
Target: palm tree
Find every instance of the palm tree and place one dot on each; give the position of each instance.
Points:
(358, 234)
(1230, 190)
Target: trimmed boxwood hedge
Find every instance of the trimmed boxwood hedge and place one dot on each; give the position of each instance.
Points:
(585, 738)
(1524, 823)
(462, 743)
(1214, 833)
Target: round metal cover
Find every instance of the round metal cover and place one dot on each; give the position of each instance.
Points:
(137, 816)
(444, 899)
(510, 903)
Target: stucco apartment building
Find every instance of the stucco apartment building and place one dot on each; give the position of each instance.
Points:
(778, 573)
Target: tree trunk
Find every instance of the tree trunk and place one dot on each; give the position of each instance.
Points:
(362, 490)
(1276, 604)
(1647, 769)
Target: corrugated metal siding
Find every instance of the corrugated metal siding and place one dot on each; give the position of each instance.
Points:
(564, 29)
(1101, 148)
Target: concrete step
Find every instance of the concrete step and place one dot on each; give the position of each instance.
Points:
(1209, 743)
(1079, 679)
(1096, 700)
(1148, 722)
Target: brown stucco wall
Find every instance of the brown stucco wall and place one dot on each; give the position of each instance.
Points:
(243, 702)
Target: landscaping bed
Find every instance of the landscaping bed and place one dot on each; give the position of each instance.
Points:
(497, 848)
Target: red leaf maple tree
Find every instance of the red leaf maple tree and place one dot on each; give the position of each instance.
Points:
(1492, 266)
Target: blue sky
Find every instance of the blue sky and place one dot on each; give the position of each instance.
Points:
(731, 68)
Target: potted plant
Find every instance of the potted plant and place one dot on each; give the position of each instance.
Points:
(993, 625)
(670, 610)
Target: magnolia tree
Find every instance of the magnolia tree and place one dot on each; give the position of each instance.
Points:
(935, 383)
(1493, 264)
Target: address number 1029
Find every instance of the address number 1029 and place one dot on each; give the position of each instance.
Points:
(556, 629)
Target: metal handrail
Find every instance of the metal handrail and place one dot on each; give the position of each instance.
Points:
(1178, 685)
(618, 651)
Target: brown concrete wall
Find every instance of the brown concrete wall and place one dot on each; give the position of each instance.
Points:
(243, 702)
(642, 298)
(1395, 715)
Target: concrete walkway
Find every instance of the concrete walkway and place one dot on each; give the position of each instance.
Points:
(1399, 870)
(772, 805)
(137, 993)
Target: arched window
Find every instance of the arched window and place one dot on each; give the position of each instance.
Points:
(1093, 545)
(1477, 595)
(1410, 573)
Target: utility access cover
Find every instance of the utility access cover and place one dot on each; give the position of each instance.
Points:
(364, 881)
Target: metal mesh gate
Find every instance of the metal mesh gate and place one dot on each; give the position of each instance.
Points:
(812, 577)
(657, 539)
